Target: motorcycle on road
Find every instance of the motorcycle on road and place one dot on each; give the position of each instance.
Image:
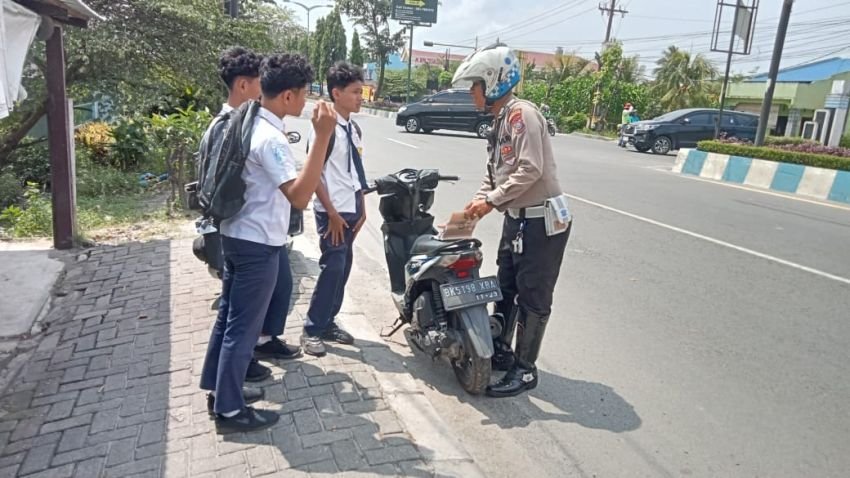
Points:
(435, 284)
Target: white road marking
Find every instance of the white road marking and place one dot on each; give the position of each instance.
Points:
(402, 143)
(718, 242)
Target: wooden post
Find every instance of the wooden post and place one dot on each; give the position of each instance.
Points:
(59, 140)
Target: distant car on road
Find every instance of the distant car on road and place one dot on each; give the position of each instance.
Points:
(684, 128)
(450, 109)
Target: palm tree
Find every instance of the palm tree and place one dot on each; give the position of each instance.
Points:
(682, 81)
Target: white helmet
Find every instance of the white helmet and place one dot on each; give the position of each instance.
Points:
(497, 66)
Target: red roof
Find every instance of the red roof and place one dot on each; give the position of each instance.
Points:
(539, 59)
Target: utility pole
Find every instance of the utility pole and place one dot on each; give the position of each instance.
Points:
(233, 8)
(778, 46)
(610, 10)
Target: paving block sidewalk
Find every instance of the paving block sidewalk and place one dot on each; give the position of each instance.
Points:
(112, 388)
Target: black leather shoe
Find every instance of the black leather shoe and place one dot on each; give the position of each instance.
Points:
(517, 380)
(246, 420)
(336, 334)
(257, 372)
(250, 395)
(277, 349)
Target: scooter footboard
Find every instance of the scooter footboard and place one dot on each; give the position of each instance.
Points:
(476, 323)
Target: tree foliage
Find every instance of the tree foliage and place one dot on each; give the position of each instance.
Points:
(356, 54)
(683, 81)
(145, 51)
(373, 17)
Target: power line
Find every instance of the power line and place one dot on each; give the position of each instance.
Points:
(557, 22)
(522, 23)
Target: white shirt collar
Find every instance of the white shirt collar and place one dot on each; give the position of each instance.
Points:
(342, 121)
(226, 108)
(272, 118)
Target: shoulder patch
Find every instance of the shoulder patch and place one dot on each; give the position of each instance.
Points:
(516, 121)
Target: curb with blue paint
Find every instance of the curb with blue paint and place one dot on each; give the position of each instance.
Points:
(808, 181)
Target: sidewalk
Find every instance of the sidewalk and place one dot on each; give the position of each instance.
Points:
(112, 388)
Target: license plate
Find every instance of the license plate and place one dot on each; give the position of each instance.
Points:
(459, 295)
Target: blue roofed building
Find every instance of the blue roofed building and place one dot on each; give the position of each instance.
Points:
(800, 91)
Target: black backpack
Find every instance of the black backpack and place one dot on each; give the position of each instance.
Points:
(333, 140)
(222, 155)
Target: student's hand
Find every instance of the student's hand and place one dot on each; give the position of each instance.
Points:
(324, 119)
(336, 228)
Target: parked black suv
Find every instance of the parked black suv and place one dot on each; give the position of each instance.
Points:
(684, 128)
(450, 109)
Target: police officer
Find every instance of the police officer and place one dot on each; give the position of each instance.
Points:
(521, 177)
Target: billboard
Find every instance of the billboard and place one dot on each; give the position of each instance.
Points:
(415, 11)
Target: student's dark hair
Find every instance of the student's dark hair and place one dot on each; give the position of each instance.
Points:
(237, 61)
(342, 74)
(279, 73)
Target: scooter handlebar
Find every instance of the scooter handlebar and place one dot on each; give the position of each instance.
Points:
(449, 178)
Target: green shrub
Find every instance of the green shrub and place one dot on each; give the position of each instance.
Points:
(35, 219)
(94, 180)
(783, 140)
(31, 163)
(779, 155)
(845, 141)
(574, 122)
(131, 145)
(10, 190)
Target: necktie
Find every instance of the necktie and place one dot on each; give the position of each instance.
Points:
(355, 157)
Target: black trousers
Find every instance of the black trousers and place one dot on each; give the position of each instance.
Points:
(529, 278)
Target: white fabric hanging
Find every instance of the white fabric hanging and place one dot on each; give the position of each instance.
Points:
(18, 27)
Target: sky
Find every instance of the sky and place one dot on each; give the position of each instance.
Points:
(819, 28)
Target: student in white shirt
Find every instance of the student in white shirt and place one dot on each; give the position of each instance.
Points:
(239, 69)
(340, 212)
(256, 262)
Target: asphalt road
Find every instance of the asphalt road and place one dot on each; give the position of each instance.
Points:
(697, 330)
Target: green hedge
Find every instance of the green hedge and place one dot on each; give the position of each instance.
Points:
(781, 140)
(771, 154)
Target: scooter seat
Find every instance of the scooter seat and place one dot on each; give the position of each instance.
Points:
(426, 245)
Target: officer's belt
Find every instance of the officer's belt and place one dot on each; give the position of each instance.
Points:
(533, 212)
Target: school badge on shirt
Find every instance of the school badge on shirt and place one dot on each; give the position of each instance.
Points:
(279, 154)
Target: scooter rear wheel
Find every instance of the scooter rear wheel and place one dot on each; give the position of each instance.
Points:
(472, 371)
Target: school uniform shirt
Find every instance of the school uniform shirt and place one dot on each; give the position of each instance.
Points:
(270, 163)
(339, 175)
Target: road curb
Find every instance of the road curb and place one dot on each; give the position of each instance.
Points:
(593, 136)
(795, 179)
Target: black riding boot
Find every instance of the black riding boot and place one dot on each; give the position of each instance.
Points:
(523, 375)
(503, 356)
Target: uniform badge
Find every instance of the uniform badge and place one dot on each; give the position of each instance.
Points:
(516, 122)
(280, 154)
(507, 153)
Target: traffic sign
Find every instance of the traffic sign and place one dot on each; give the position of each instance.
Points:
(416, 11)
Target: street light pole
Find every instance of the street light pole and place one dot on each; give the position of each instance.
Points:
(308, 9)
(409, 64)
